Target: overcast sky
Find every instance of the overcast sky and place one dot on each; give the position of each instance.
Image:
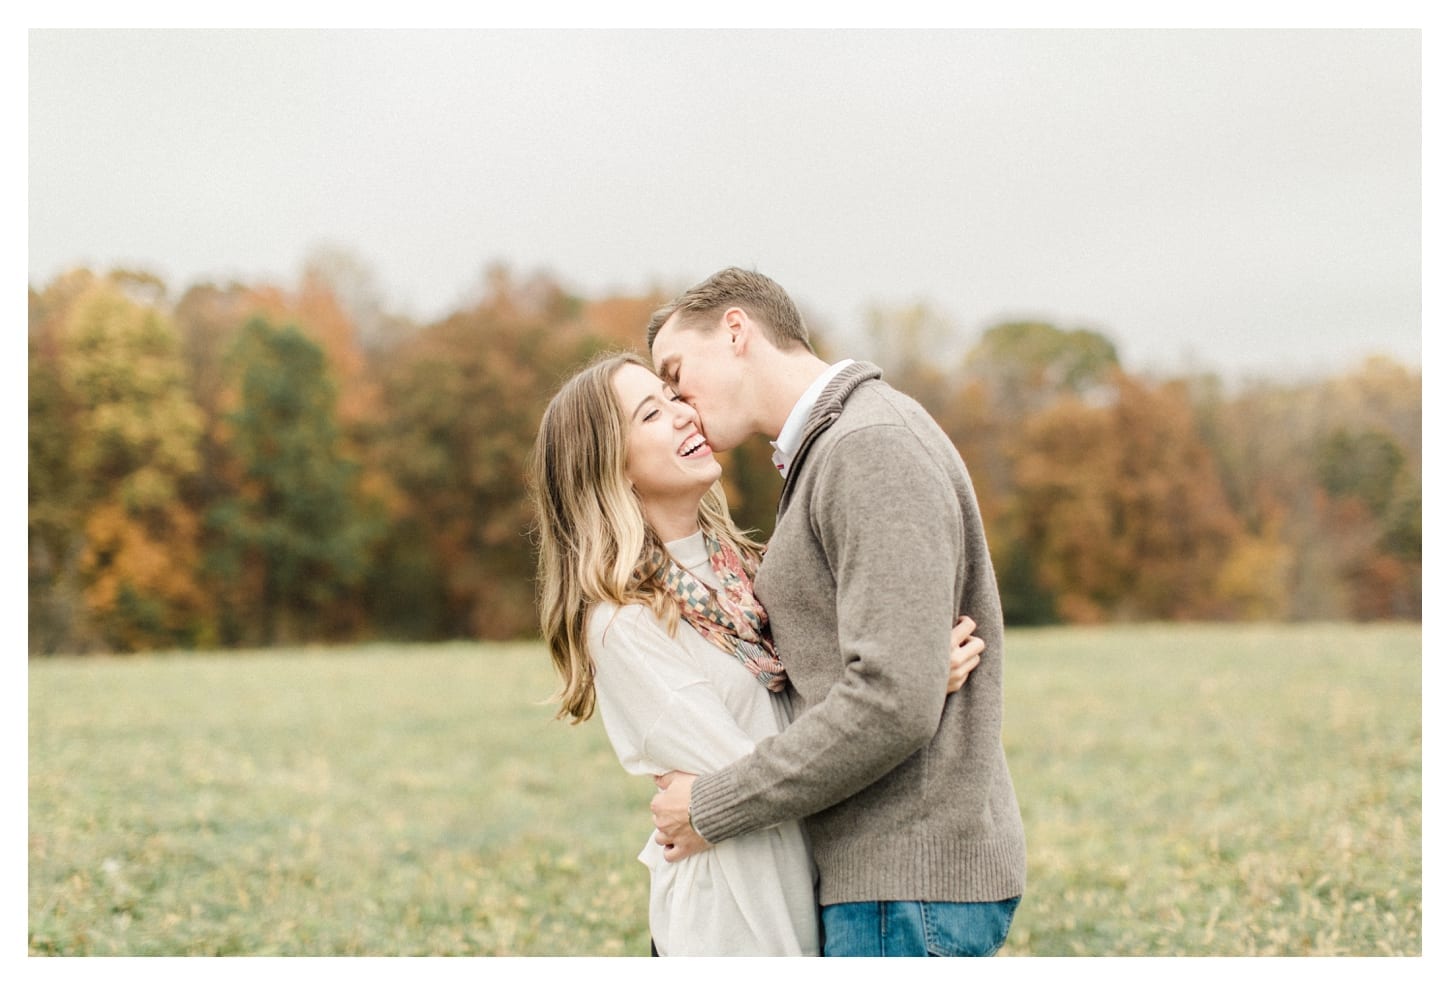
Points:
(1246, 202)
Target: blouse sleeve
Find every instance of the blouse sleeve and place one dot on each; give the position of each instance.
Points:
(659, 711)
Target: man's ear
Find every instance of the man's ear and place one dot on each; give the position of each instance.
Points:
(738, 324)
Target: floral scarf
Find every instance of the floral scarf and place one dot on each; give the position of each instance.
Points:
(732, 618)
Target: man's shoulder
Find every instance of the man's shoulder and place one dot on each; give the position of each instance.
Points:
(882, 434)
(878, 412)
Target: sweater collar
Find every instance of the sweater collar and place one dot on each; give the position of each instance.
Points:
(833, 398)
(789, 441)
(826, 409)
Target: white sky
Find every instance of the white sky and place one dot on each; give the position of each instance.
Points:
(1246, 202)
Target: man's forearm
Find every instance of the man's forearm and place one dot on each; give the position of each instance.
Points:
(831, 752)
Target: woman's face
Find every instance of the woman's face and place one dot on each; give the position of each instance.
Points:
(667, 459)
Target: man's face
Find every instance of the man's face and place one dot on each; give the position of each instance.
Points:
(704, 368)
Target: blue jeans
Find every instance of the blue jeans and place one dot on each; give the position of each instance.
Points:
(916, 929)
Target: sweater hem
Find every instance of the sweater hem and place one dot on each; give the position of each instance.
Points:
(937, 869)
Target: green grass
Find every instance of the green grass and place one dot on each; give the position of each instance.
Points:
(1186, 791)
(1218, 791)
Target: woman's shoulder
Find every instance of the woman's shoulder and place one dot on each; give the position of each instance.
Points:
(609, 621)
(631, 643)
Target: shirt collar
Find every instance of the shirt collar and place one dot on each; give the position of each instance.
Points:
(791, 435)
(689, 551)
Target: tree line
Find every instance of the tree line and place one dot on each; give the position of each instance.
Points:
(246, 465)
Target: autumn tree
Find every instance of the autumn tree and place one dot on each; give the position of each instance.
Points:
(133, 449)
(1014, 370)
(464, 399)
(1026, 366)
(210, 318)
(1121, 509)
(362, 475)
(353, 287)
(55, 515)
(1365, 477)
(1326, 477)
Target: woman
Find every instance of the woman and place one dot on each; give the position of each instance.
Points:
(635, 537)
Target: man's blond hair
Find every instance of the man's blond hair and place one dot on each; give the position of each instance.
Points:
(764, 300)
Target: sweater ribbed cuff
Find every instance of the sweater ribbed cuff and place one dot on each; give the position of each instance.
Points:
(713, 810)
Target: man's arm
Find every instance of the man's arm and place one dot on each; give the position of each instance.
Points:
(671, 807)
(890, 528)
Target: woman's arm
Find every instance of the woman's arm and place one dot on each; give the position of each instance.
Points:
(659, 711)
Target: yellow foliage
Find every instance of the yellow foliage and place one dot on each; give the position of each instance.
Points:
(1253, 581)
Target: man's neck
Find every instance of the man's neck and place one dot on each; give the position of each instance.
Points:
(790, 376)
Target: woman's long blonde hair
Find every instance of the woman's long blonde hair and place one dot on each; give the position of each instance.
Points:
(592, 535)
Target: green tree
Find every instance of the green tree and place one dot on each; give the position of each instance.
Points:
(293, 538)
(1363, 464)
(1029, 365)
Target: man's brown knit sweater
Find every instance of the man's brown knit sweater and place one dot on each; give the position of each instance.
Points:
(878, 546)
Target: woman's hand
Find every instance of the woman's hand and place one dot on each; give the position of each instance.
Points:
(966, 653)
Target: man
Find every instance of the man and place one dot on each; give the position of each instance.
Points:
(878, 545)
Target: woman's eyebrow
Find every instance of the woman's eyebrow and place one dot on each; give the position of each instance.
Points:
(639, 406)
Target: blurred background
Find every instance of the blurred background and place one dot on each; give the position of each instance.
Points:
(297, 300)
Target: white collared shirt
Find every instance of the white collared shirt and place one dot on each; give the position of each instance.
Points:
(792, 434)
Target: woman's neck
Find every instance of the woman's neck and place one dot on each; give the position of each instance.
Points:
(673, 521)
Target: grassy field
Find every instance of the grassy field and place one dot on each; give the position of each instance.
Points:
(1186, 791)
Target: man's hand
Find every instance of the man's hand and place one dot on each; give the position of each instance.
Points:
(671, 810)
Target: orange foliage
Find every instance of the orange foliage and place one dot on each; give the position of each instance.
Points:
(620, 321)
(1121, 507)
(141, 586)
(1106, 497)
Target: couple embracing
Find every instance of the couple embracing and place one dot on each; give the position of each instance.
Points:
(824, 726)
